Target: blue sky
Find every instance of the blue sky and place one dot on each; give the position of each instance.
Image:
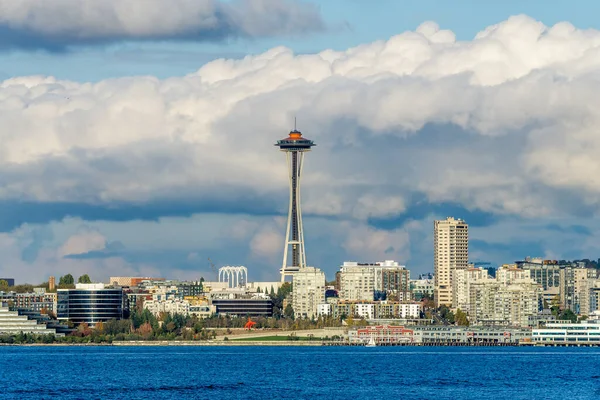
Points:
(154, 159)
(352, 22)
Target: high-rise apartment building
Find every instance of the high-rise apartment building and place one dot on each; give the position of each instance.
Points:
(450, 252)
(308, 291)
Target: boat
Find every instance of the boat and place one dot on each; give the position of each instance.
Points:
(371, 343)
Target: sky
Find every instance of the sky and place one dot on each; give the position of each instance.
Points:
(139, 140)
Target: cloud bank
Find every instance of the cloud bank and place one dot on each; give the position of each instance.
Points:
(504, 125)
(60, 24)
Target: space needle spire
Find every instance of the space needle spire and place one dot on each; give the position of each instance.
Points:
(294, 147)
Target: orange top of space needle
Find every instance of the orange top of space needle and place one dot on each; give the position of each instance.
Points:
(295, 142)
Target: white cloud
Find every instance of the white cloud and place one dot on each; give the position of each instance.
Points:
(369, 244)
(267, 243)
(504, 123)
(83, 242)
(32, 23)
(520, 93)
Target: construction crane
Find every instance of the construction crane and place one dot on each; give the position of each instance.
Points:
(213, 268)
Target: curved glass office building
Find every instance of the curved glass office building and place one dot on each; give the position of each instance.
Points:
(90, 303)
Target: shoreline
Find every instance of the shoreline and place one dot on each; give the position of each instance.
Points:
(164, 343)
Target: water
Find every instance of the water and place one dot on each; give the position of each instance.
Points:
(176, 372)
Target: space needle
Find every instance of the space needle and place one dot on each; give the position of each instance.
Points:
(294, 147)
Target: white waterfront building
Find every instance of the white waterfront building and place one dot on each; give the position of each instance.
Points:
(568, 333)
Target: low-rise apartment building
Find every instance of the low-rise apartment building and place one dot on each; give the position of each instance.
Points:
(372, 309)
(37, 301)
(368, 281)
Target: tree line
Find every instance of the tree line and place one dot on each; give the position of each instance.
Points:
(65, 282)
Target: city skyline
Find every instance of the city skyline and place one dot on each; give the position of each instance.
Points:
(161, 157)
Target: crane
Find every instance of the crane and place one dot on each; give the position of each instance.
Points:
(213, 268)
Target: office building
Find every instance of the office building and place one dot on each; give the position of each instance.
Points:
(450, 252)
(544, 272)
(308, 291)
(90, 303)
(242, 305)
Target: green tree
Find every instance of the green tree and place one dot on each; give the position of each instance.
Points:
(66, 280)
(568, 315)
(84, 279)
(555, 306)
(289, 311)
(446, 314)
(461, 318)
(24, 288)
(3, 285)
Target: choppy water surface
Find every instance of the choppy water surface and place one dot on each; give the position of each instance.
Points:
(175, 372)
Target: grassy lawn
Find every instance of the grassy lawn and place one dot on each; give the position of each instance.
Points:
(275, 339)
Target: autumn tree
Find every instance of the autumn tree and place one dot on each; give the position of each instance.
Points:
(145, 330)
(48, 312)
(84, 329)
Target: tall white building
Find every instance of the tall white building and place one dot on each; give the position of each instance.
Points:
(450, 252)
(357, 281)
(308, 291)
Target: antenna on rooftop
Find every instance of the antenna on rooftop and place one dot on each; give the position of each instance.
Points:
(294, 122)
